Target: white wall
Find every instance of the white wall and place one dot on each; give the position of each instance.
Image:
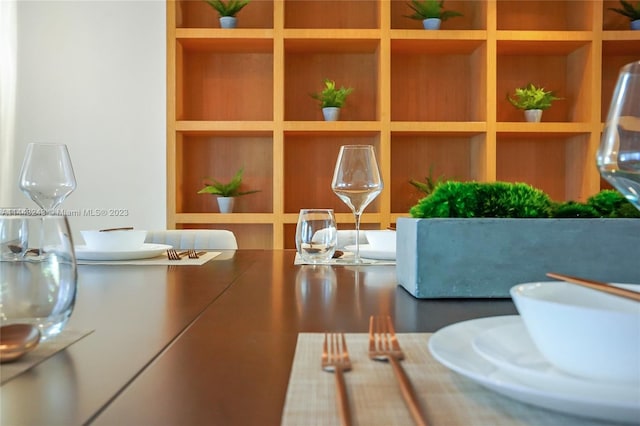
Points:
(91, 74)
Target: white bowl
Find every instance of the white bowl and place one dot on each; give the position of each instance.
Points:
(121, 240)
(382, 239)
(581, 331)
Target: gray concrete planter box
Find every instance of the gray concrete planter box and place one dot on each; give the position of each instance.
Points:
(484, 258)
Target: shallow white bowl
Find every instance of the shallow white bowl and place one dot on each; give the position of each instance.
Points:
(581, 331)
(123, 240)
(382, 239)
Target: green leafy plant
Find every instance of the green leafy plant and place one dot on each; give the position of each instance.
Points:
(628, 10)
(331, 96)
(430, 9)
(532, 97)
(230, 189)
(229, 8)
(429, 184)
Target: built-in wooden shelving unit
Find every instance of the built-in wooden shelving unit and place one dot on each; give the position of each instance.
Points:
(427, 100)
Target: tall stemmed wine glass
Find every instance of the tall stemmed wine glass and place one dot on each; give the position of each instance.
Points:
(619, 154)
(356, 181)
(47, 175)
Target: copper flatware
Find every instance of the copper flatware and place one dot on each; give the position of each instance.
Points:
(126, 228)
(16, 340)
(335, 358)
(384, 346)
(597, 285)
(172, 254)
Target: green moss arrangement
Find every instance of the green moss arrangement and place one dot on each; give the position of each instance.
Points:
(475, 199)
(515, 200)
(610, 203)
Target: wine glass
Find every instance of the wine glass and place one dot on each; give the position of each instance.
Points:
(357, 182)
(47, 175)
(619, 154)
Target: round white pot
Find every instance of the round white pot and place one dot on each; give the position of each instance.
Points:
(635, 25)
(533, 115)
(331, 113)
(225, 204)
(431, 23)
(228, 22)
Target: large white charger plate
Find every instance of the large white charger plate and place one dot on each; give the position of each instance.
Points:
(147, 251)
(368, 252)
(452, 346)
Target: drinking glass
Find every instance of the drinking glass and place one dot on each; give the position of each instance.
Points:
(316, 235)
(357, 182)
(38, 287)
(47, 175)
(618, 158)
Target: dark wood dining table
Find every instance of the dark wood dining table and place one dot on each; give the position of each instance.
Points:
(210, 344)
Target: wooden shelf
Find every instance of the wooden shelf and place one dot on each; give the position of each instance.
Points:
(428, 101)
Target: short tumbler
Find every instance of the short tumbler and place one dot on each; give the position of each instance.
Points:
(316, 235)
(38, 277)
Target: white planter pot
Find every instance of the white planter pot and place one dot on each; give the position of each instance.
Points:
(228, 22)
(533, 115)
(431, 23)
(331, 113)
(225, 204)
(635, 25)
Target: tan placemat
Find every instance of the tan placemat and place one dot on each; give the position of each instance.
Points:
(375, 397)
(158, 260)
(345, 261)
(43, 351)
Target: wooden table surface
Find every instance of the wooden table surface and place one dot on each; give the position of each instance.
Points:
(208, 345)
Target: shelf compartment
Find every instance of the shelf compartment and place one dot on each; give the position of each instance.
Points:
(219, 155)
(205, 75)
(355, 64)
(562, 15)
(615, 55)
(198, 14)
(415, 155)
(563, 67)
(474, 16)
(309, 161)
(428, 85)
(555, 163)
(330, 14)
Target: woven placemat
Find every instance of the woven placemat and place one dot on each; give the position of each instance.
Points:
(375, 399)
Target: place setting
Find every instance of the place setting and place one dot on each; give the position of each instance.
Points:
(357, 182)
(127, 246)
(571, 349)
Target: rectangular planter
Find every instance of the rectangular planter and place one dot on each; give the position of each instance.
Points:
(484, 258)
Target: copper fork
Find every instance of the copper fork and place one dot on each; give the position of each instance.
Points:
(335, 358)
(384, 346)
(172, 254)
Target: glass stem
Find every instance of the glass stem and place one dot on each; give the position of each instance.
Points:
(357, 254)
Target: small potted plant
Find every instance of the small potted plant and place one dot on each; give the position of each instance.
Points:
(332, 99)
(226, 192)
(533, 100)
(228, 10)
(431, 13)
(630, 11)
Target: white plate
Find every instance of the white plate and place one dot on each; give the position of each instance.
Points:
(369, 252)
(145, 252)
(511, 349)
(452, 346)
